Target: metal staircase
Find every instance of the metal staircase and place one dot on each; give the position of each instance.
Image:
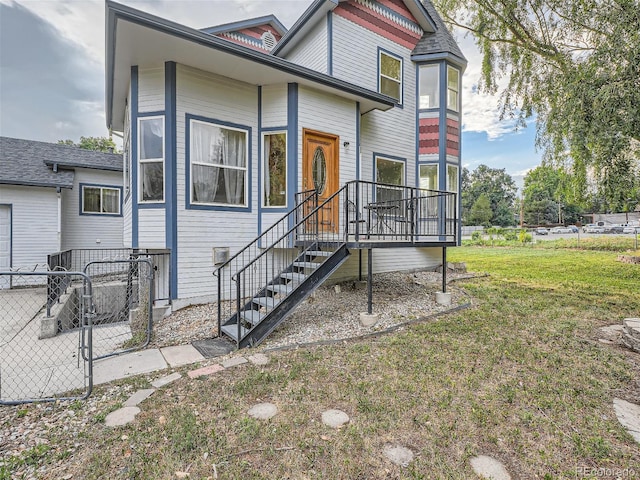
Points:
(268, 278)
(259, 286)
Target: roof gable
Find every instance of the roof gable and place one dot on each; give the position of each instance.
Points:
(254, 33)
(402, 20)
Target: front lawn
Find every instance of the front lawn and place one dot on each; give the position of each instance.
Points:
(519, 375)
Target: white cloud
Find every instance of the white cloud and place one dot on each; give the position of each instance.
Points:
(480, 111)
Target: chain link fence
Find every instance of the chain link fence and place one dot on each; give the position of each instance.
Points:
(42, 357)
(123, 292)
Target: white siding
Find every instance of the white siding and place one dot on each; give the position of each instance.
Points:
(274, 106)
(151, 89)
(219, 98)
(151, 228)
(126, 222)
(329, 114)
(84, 231)
(311, 52)
(389, 260)
(34, 225)
(355, 59)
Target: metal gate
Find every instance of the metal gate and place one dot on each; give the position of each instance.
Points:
(123, 292)
(43, 318)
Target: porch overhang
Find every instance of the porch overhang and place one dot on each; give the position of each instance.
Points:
(137, 38)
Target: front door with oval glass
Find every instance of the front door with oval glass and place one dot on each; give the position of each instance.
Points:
(320, 172)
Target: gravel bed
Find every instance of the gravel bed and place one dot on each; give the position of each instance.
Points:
(331, 313)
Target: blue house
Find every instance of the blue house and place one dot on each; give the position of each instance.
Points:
(270, 156)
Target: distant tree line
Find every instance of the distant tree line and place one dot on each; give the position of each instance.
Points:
(549, 196)
(99, 144)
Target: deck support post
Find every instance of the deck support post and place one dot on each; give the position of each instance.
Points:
(444, 269)
(359, 264)
(369, 281)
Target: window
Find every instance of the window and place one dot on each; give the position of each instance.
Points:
(429, 181)
(151, 155)
(390, 172)
(453, 88)
(218, 157)
(100, 200)
(452, 186)
(429, 177)
(429, 86)
(275, 170)
(390, 81)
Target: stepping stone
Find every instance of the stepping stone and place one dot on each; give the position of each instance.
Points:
(179, 355)
(201, 372)
(334, 418)
(234, 362)
(259, 359)
(161, 382)
(629, 416)
(138, 397)
(122, 416)
(263, 411)
(489, 468)
(612, 330)
(398, 455)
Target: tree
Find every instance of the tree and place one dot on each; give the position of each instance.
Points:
(575, 64)
(548, 196)
(481, 213)
(99, 144)
(499, 188)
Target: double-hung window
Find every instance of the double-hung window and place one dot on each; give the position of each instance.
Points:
(218, 159)
(275, 170)
(98, 200)
(453, 89)
(390, 81)
(151, 158)
(452, 186)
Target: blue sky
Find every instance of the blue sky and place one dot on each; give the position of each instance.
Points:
(52, 73)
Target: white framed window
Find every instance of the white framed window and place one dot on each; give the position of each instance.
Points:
(218, 163)
(390, 172)
(274, 168)
(99, 200)
(429, 86)
(428, 177)
(452, 186)
(453, 88)
(390, 71)
(151, 159)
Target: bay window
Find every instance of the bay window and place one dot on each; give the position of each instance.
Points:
(429, 86)
(453, 89)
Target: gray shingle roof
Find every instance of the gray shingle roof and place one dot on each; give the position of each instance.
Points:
(439, 42)
(27, 162)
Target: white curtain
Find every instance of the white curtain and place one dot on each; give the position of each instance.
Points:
(151, 145)
(233, 155)
(204, 150)
(111, 201)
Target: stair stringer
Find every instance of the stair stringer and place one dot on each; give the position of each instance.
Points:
(305, 288)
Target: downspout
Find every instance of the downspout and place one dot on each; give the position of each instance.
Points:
(58, 191)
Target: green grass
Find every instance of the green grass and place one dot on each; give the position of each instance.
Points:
(519, 376)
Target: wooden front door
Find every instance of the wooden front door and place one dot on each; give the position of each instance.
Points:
(320, 171)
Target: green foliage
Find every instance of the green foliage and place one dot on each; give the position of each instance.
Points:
(576, 64)
(99, 144)
(494, 184)
(481, 213)
(497, 236)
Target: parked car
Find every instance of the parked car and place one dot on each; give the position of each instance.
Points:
(557, 230)
(541, 231)
(593, 228)
(613, 229)
(630, 229)
(573, 228)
